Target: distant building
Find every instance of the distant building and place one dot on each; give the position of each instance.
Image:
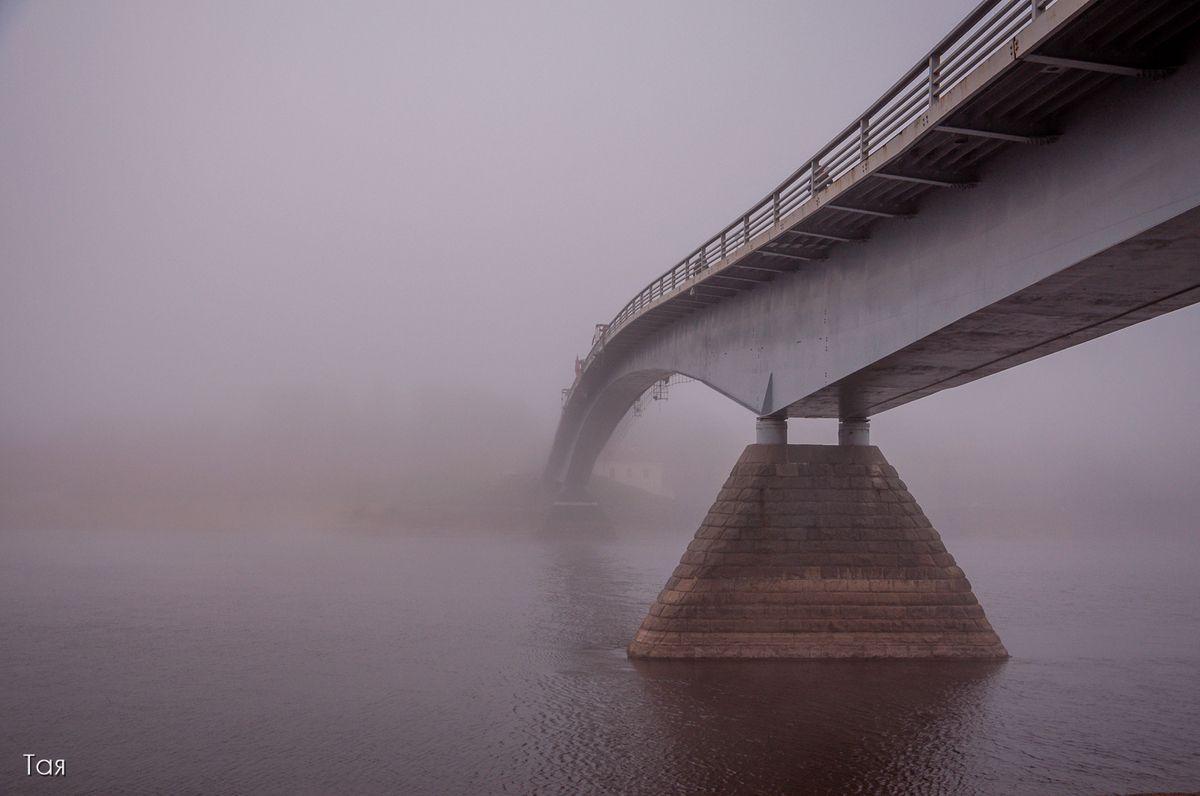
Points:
(646, 476)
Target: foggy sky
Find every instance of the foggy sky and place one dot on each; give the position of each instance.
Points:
(414, 213)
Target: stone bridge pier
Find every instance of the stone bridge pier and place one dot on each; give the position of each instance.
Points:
(816, 551)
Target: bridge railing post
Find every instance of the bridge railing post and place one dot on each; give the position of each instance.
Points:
(935, 89)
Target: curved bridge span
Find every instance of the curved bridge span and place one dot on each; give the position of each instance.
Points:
(1032, 183)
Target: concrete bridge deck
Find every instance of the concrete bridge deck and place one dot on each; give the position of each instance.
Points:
(1030, 184)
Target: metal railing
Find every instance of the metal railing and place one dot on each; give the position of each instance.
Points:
(986, 30)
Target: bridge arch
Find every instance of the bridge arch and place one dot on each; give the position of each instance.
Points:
(608, 403)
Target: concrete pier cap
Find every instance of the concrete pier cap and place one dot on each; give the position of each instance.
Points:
(771, 431)
(854, 431)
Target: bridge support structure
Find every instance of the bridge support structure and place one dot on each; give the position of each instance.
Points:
(854, 431)
(816, 551)
(771, 431)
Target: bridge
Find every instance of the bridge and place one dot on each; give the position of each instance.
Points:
(1031, 183)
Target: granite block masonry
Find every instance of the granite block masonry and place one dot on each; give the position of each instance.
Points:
(816, 551)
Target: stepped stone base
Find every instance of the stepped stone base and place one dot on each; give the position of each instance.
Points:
(816, 551)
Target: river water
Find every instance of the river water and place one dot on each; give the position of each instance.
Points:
(474, 664)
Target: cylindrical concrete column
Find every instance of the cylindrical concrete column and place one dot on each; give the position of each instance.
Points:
(854, 431)
(771, 431)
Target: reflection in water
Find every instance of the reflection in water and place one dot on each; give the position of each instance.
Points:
(476, 664)
(818, 726)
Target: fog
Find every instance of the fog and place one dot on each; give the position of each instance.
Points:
(290, 291)
(304, 263)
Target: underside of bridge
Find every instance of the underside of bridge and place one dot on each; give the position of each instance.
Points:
(1149, 274)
